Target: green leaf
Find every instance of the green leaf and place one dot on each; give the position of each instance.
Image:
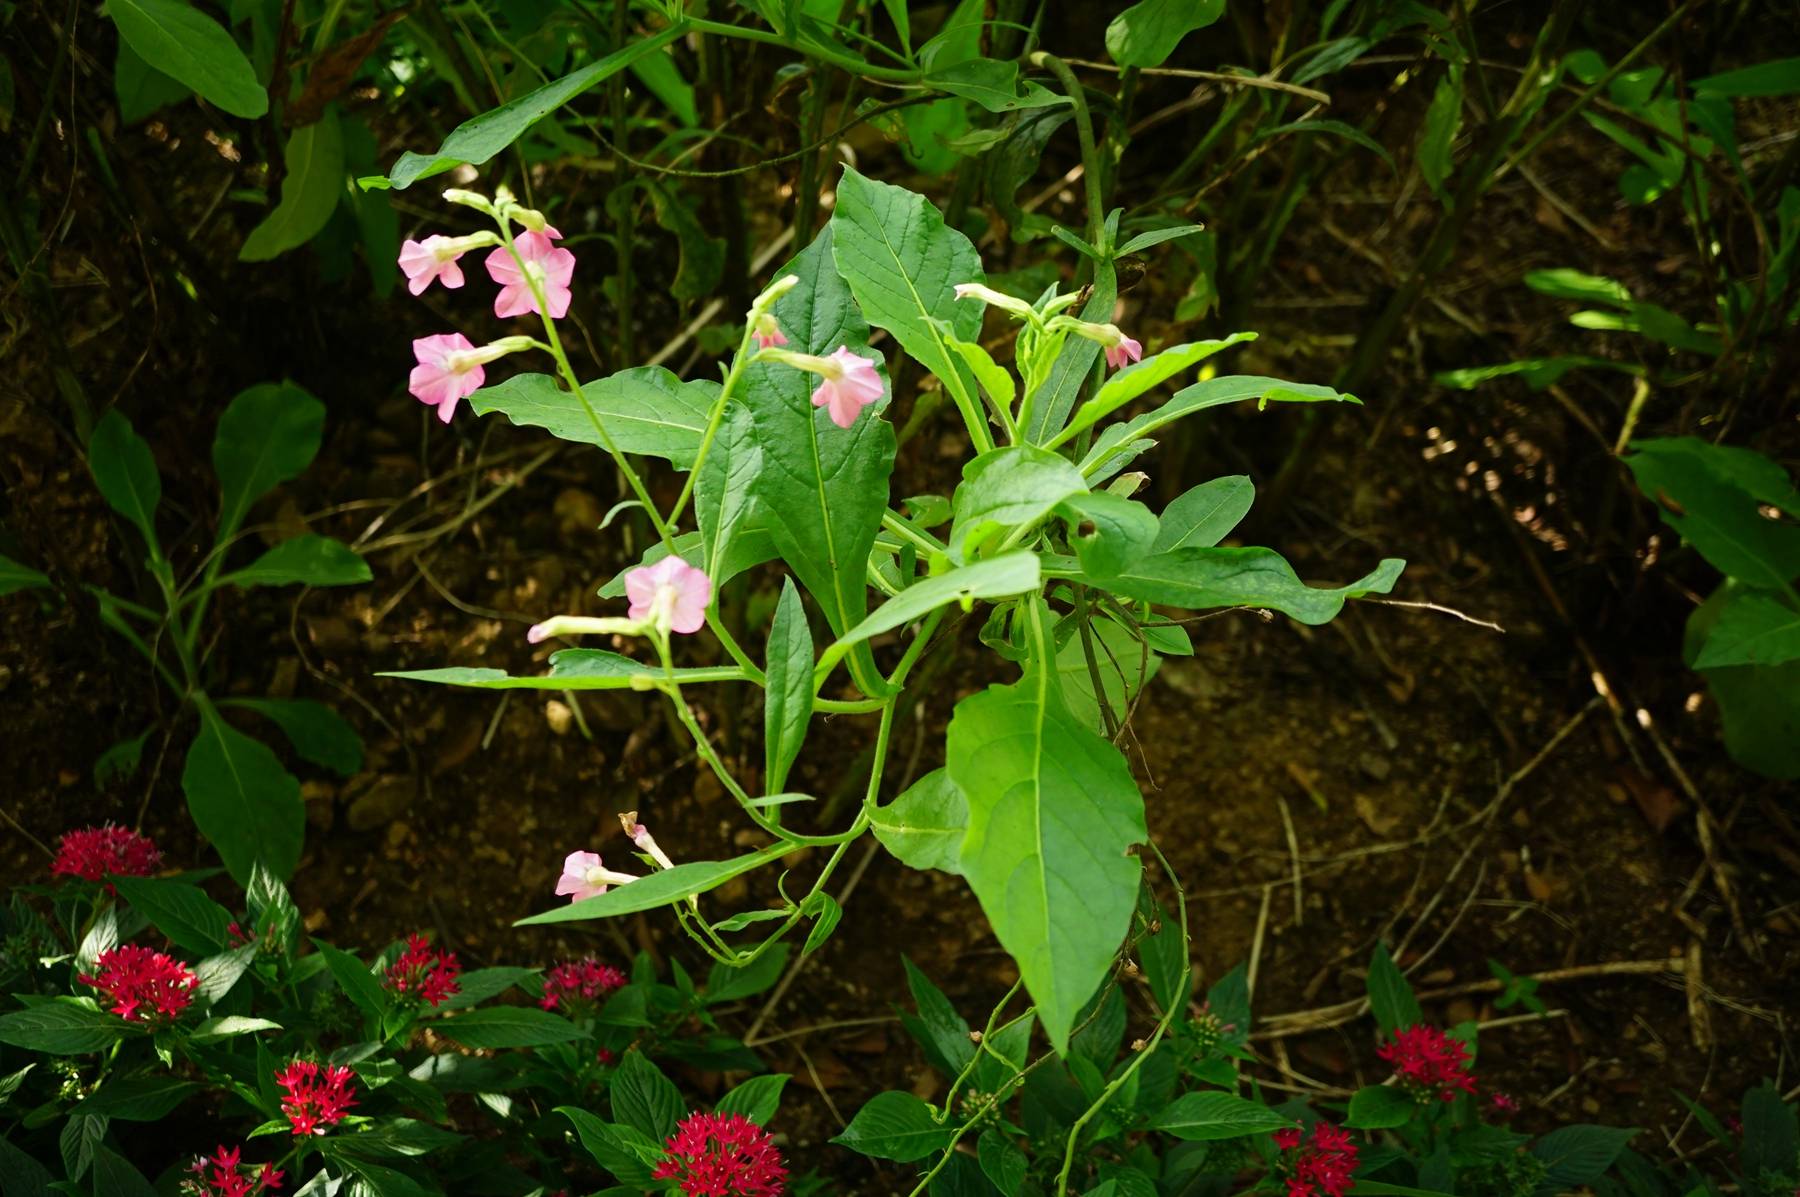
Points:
(1053, 811)
(1537, 372)
(1008, 488)
(1127, 384)
(895, 1126)
(1002, 1163)
(241, 798)
(1154, 237)
(137, 1099)
(570, 669)
(1753, 628)
(186, 44)
(1108, 532)
(992, 84)
(1198, 579)
(1657, 323)
(1713, 497)
(824, 923)
(269, 434)
(354, 977)
(725, 491)
(125, 471)
(229, 1027)
(189, 918)
(624, 1151)
(1214, 392)
(998, 385)
(1442, 119)
(121, 760)
(1577, 1155)
(1780, 77)
(220, 973)
(788, 698)
(310, 190)
(1145, 34)
(20, 1175)
(1165, 956)
(63, 1027)
(729, 983)
(997, 577)
(142, 89)
(15, 577)
(646, 410)
(658, 889)
(701, 258)
(924, 827)
(756, 1099)
(318, 733)
(1050, 404)
(823, 488)
(1390, 997)
(508, 1026)
(307, 559)
(1122, 662)
(1209, 1115)
(81, 1134)
(937, 1028)
(477, 987)
(1336, 129)
(903, 262)
(1771, 1134)
(1564, 283)
(478, 139)
(643, 1098)
(1205, 515)
(1377, 1107)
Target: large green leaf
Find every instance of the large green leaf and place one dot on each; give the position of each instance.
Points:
(1210, 1114)
(998, 577)
(725, 491)
(1778, 77)
(1145, 34)
(310, 189)
(1205, 515)
(629, 1154)
(570, 669)
(307, 559)
(1108, 532)
(63, 1027)
(191, 920)
(658, 889)
(1753, 628)
(124, 469)
(242, 799)
(509, 1026)
(1135, 379)
(187, 45)
(903, 264)
(318, 733)
(269, 434)
(645, 1099)
(141, 88)
(645, 409)
(896, 1126)
(480, 138)
(1214, 392)
(1713, 496)
(1198, 579)
(1008, 488)
(1577, 1155)
(788, 699)
(1053, 812)
(823, 488)
(924, 827)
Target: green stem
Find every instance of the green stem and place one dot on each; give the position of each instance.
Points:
(846, 62)
(702, 745)
(714, 419)
(1090, 151)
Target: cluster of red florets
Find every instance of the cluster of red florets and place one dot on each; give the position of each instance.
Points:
(219, 1175)
(424, 973)
(144, 985)
(1323, 1166)
(579, 981)
(1429, 1063)
(713, 1155)
(315, 1097)
(93, 852)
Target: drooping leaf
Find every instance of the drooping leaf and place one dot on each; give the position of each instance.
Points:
(481, 137)
(1205, 515)
(658, 889)
(1137, 378)
(318, 733)
(1198, 579)
(124, 470)
(646, 410)
(895, 1126)
(1713, 496)
(788, 697)
(1008, 488)
(269, 434)
(311, 186)
(997, 577)
(925, 825)
(241, 798)
(1214, 392)
(187, 45)
(1053, 811)
(307, 559)
(1145, 34)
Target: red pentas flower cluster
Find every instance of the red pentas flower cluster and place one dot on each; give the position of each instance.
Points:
(1323, 1166)
(143, 985)
(220, 1175)
(93, 852)
(1429, 1063)
(315, 1097)
(424, 973)
(714, 1155)
(577, 981)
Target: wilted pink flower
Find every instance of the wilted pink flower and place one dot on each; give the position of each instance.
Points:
(1125, 350)
(433, 258)
(583, 876)
(768, 334)
(646, 843)
(845, 391)
(671, 592)
(447, 372)
(552, 267)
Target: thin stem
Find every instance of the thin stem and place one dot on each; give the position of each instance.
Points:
(713, 421)
(847, 62)
(1090, 152)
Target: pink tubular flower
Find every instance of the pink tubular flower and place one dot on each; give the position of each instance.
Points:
(851, 387)
(1428, 1063)
(447, 372)
(551, 267)
(575, 982)
(583, 876)
(315, 1097)
(424, 973)
(144, 985)
(671, 593)
(433, 258)
(1126, 350)
(1323, 1167)
(767, 333)
(93, 852)
(221, 1175)
(713, 1155)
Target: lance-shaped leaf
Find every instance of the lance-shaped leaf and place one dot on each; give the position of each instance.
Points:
(788, 701)
(724, 493)
(1048, 407)
(187, 45)
(572, 669)
(242, 799)
(269, 434)
(306, 559)
(903, 263)
(1139, 377)
(1145, 34)
(998, 577)
(658, 889)
(1053, 813)
(318, 733)
(1214, 392)
(14, 576)
(125, 471)
(645, 409)
(1008, 488)
(822, 489)
(1205, 515)
(1198, 579)
(310, 188)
